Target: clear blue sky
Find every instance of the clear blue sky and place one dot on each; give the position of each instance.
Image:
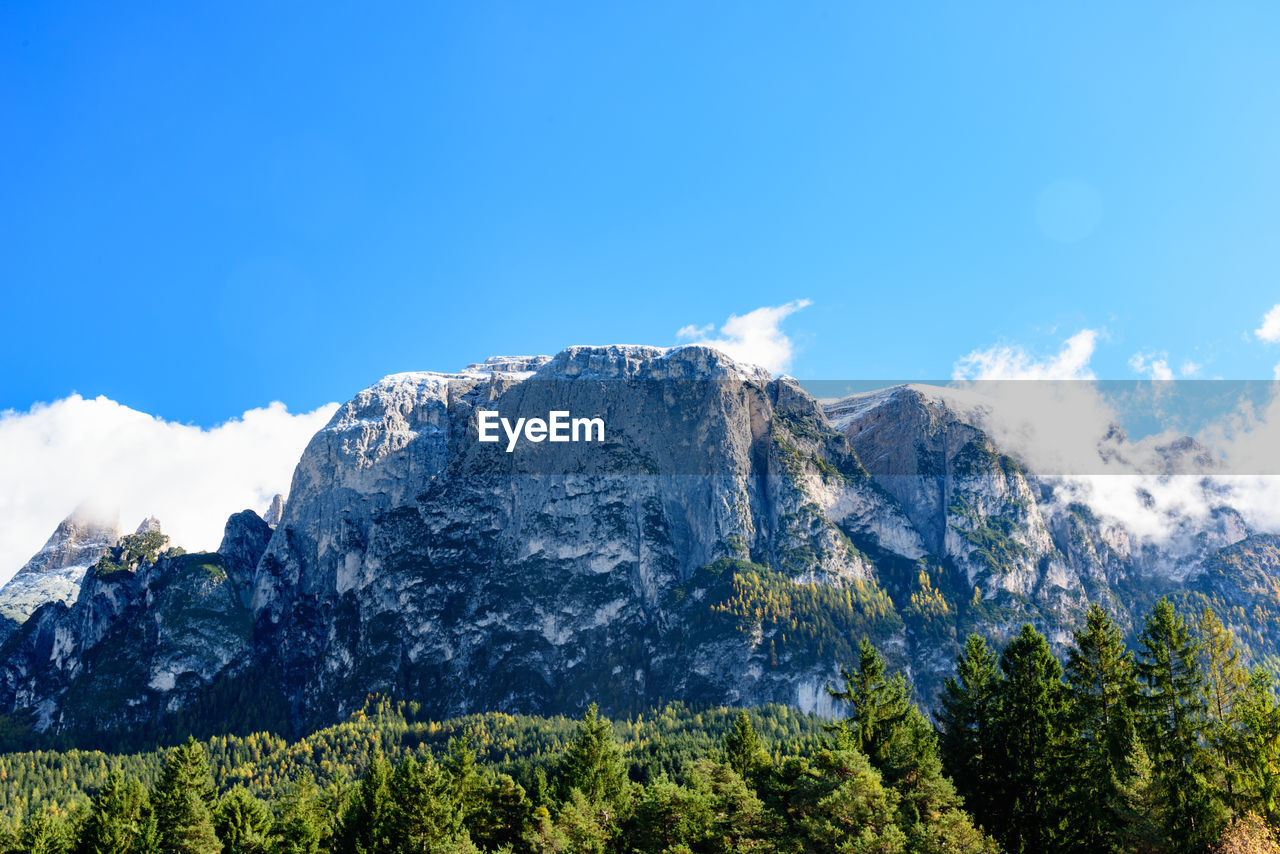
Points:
(206, 207)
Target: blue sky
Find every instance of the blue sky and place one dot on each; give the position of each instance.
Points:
(208, 208)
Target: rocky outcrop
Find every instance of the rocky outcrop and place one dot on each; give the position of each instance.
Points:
(143, 640)
(414, 559)
(726, 540)
(276, 511)
(54, 573)
(244, 541)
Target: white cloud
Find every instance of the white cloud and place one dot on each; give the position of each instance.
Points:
(755, 337)
(1191, 369)
(1270, 328)
(56, 456)
(1011, 362)
(1153, 365)
(1160, 489)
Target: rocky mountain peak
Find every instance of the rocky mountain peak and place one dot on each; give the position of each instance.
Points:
(54, 573)
(244, 540)
(149, 525)
(276, 511)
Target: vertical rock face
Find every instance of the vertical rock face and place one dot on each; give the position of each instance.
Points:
(727, 540)
(244, 541)
(148, 635)
(276, 511)
(414, 559)
(54, 573)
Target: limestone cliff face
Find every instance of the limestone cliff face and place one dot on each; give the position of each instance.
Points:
(139, 642)
(728, 540)
(1017, 542)
(412, 558)
(54, 572)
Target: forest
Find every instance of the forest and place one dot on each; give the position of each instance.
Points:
(1170, 745)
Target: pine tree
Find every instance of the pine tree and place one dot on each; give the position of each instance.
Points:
(877, 710)
(1099, 754)
(1030, 736)
(44, 833)
(742, 747)
(968, 724)
(1225, 680)
(242, 822)
(505, 811)
(300, 828)
(1254, 749)
(840, 804)
(885, 725)
(463, 781)
(119, 820)
(365, 824)
(422, 816)
(1173, 720)
(593, 764)
(183, 802)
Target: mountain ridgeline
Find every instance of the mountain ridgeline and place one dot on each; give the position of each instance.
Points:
(730, 541)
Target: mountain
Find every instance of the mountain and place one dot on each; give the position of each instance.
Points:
(727, 539)
(53, 574)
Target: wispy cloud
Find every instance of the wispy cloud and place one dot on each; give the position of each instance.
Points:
(755, 337)
(56, 456)
(1152, 365)
(1012, 362)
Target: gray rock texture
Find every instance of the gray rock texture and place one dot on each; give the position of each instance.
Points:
(729, 540)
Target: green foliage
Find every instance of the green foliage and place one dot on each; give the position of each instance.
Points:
(593, 765)
(743, 750)
(120, 820)
(183, 800)
(1174, 716)
(805, 620)
(970, 729)
(243, 823)
(1100, 764)
(886, 727)
(132, 552)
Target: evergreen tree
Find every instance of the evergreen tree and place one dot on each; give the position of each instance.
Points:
(840, 804)
(968, 723)
(715, 812)
(742, 747)
(1030, 736)
(119, 820)
(1173, 719)
(503, 815)
(243, 823)
(44, 833)
(300, 829)
(885, 725)
(463, 781)
(422, 817)
(593, 764)
(365, 824)
(1225, 680)
(1099, 755)
(183, 801)
(878, 708)
(1254, 749)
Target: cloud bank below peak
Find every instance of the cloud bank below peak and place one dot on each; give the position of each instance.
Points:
(97, 452)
